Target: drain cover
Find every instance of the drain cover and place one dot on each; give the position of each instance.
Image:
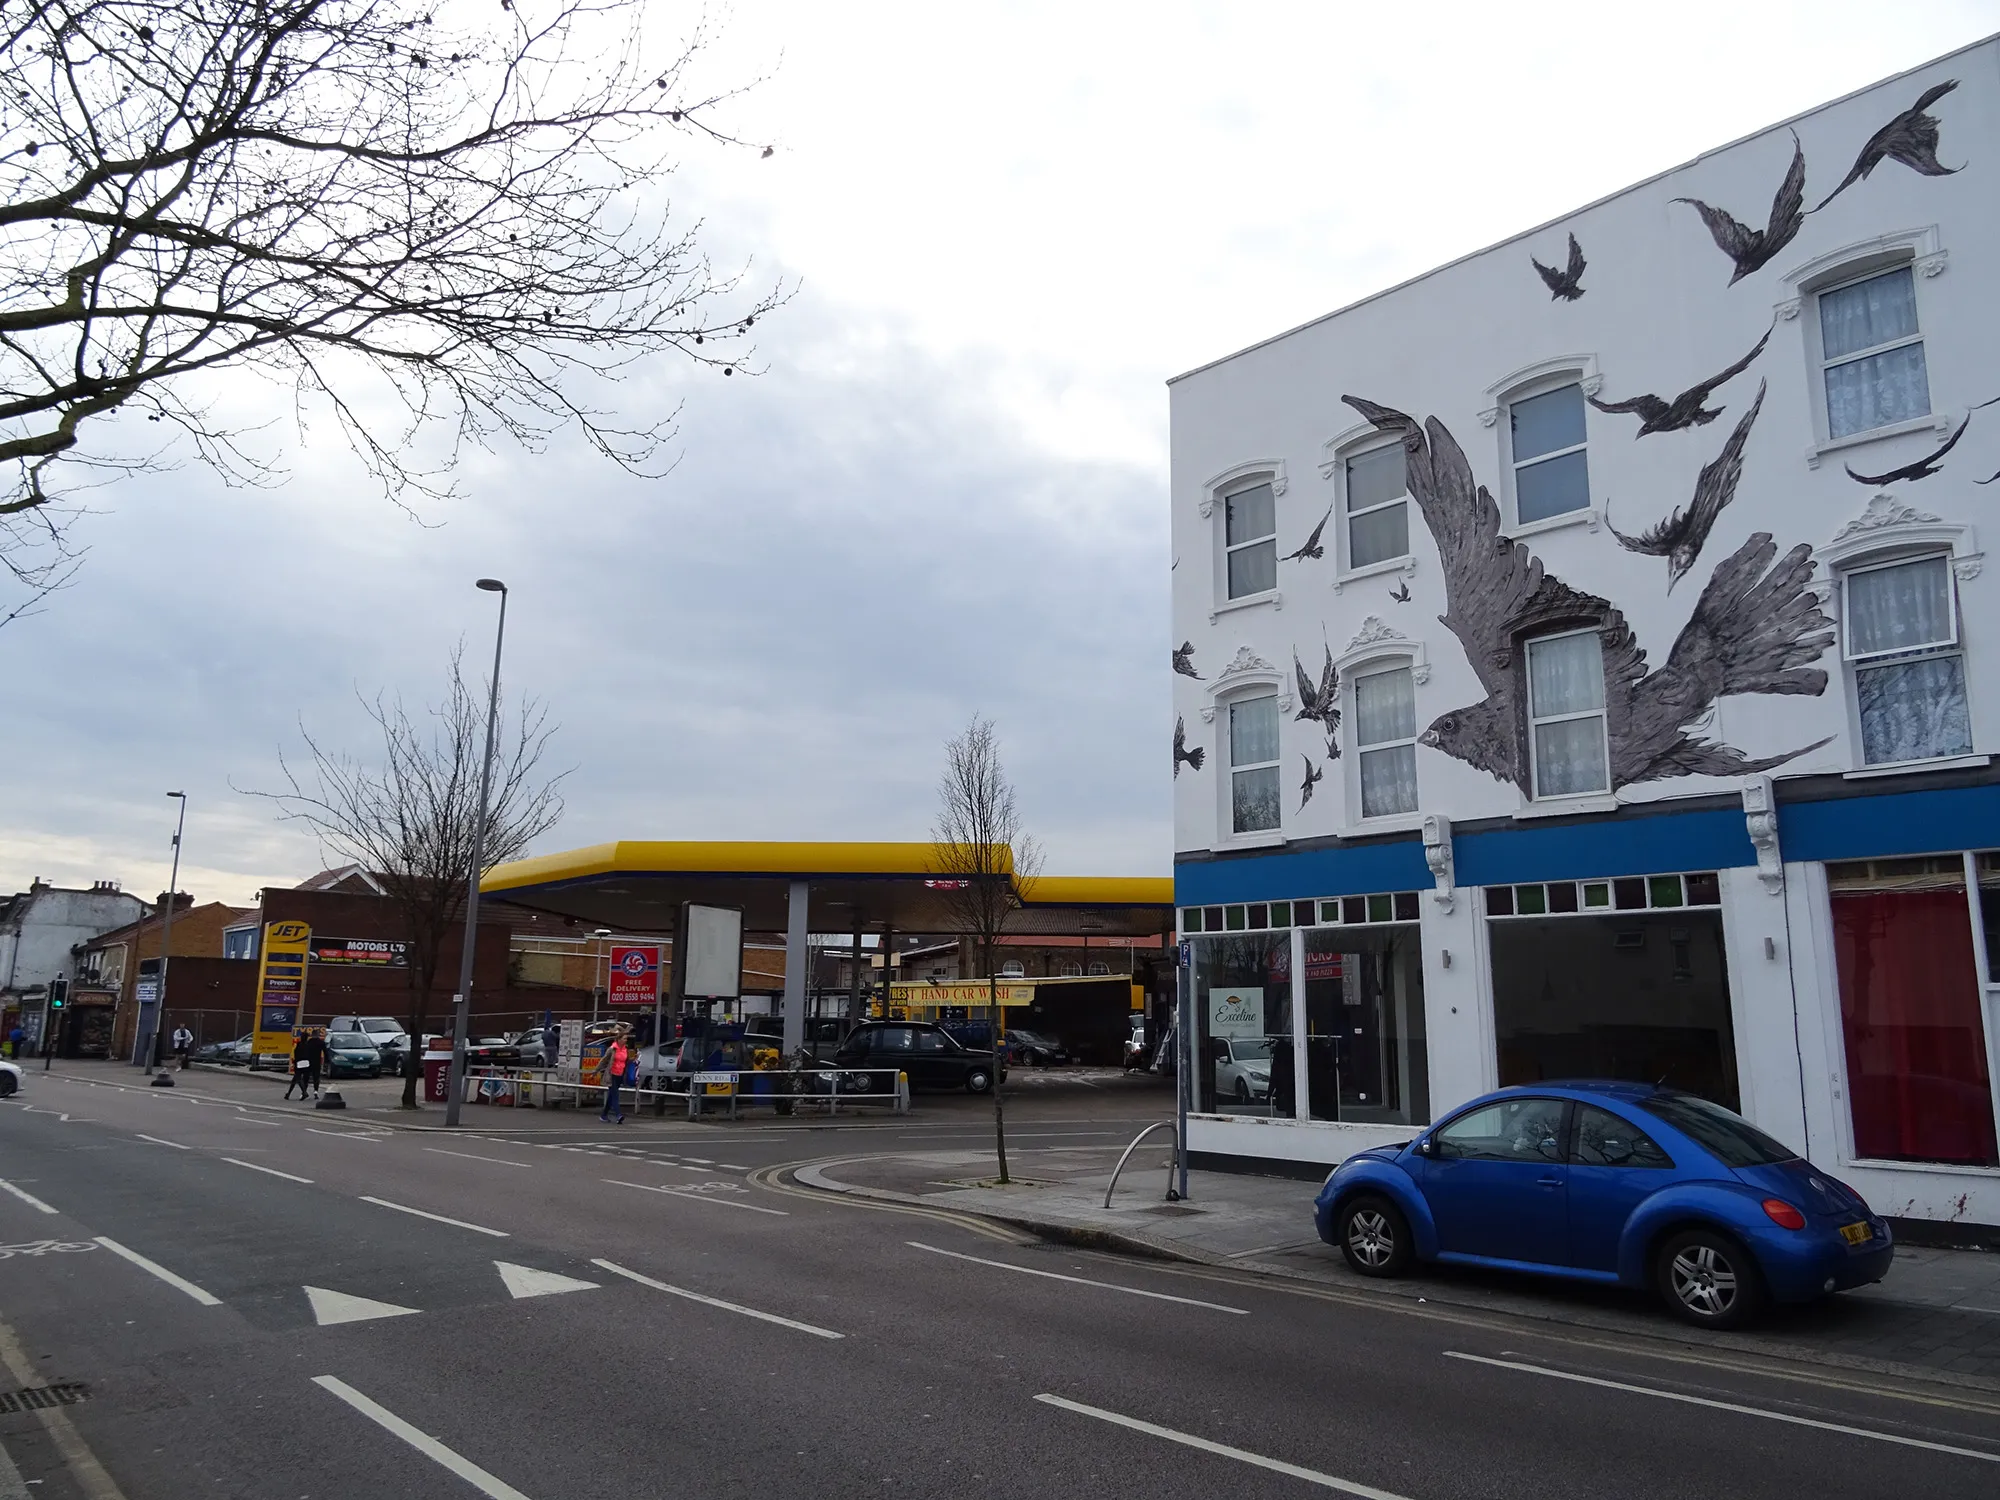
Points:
(35, 1398)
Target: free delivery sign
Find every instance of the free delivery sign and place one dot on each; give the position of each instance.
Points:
(635, 975)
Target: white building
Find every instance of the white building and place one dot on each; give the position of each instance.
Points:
(38, 929)
(1519, 797)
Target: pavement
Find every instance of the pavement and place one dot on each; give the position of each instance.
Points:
(204, 1291)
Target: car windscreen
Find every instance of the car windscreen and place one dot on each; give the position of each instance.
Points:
(1249, 1048)
(1726, 1135)
(379, 1023)
(353, 1039)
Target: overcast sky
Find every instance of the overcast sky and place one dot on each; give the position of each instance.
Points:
(1009, 225)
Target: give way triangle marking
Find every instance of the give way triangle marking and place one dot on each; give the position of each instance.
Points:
(344, 1307)
(525, 1281)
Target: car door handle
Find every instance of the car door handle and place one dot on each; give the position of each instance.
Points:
(1549, 1181)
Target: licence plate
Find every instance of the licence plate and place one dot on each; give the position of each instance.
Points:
(1857, 1234)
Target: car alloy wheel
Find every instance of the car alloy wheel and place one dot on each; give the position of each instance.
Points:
(1705, 1281)
(1242, 1092)
(1370, 1237)
(6, 1085)
(1374, 1236)
(978, 1081)
(1708, 1279)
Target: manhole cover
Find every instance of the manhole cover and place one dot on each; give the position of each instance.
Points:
(1173, 1209)
(36, 1398)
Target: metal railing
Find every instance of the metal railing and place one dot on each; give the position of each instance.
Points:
(1112, 1187)
(828, 1089)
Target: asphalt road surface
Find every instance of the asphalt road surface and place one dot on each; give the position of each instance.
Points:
(232, 1300)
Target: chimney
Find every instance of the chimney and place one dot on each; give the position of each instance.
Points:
(38, 884)
(182, 901)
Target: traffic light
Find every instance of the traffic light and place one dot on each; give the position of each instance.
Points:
(58, 993)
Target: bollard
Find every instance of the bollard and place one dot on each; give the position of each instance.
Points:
(902, 1092)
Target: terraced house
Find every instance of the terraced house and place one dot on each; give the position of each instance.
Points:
(1584, 665)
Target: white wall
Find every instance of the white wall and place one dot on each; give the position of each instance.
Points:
(56, 921)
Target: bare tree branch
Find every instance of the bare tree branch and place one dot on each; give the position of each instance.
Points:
(986, 866)
(356, 198)
(409, 819)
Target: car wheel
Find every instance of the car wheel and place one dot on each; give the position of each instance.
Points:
(1708, 1279)
(1375, 1237)
(1242, 1092)
(978, 1081)
(7, 1085)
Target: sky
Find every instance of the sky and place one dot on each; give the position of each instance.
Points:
(1006, 228)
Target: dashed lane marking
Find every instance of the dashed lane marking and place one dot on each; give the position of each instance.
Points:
(158, 1142)
(25, 1196)
(497, 1161)
(268, 1171)
(1109, 1286)
(403, 1208)
(694, 1193)
(748, 1312)
(1223, 1450)
(487, 1484)
(154, 1268)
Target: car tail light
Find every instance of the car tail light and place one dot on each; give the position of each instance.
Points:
(1783, 1214)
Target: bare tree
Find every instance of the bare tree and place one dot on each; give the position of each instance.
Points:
(463, 226)
(409, 821)
(985, 866)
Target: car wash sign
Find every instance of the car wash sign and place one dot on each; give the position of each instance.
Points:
(281, 987)
(635, 975)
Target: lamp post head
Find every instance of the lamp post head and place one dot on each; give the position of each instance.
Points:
(181, 795)
(492, 585)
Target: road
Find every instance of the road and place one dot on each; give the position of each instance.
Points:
(262, 1303)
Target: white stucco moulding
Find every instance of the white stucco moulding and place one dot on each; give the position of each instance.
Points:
(1760, 820)
(1376, 639)
(1273, 468)
(1438, 860)
(1888, 524)
(1584, 366)
(1921, 246)
(1246, 669)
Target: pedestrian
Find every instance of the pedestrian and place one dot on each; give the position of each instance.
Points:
(616, 1061)
(15, 1040)
(183, 1040)
(315, 1053)
(299, 1065)
(551, 1044)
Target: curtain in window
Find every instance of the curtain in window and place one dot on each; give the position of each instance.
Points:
(1253, 731)
(1876, 390)
(1385, 707)
(1913, 710)
(1388, 781)
(1917, 1082)
(1868, 314)
(1253, 800)
(1900, 608)
(1249, 514)
(1565, 675)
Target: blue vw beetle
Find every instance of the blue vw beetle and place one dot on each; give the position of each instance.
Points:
(1621, 1183)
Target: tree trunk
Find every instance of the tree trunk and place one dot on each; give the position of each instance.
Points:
(999, 1050)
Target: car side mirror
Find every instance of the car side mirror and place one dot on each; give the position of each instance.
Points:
(1424, 1146)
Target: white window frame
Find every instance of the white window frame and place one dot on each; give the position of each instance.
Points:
(1535, 721)
(1537, 379)
(1227, 708)
(1856, 278)
(1346, 517)
(1544, 387)
(1380, 666)
(1214, 510)
(1859, 662)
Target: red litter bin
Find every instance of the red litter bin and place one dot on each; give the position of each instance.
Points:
(437, 1076)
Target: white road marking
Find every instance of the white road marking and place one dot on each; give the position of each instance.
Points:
(730, 1166)
(469, 1156)
(25, 1196)
(1241, 1455)
(701, 1161)
(526, 1281)
(158, 1142)
(689, 1193)
(271, 1171)
(1109, 1286)
(748, 1312)
(487, 1484)
(178, 1283)
(345, 1307)
(345, 1135)
(498, 1234)
(1714, 1405)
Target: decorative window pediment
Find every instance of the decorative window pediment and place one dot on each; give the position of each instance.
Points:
(1246, 669)
(1886, 526)
(1375, 640)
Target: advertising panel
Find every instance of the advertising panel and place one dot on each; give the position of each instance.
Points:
(369, 953)
(1236, 1011)
(281, 987)
(969, 993)
(635, 975)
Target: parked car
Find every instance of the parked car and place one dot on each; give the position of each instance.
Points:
(1137, 1054)
(533, 1047)
(932, 1057)
(10, 1079)
(237, 1051)
(349, 1054)
(1242, 1068)
(1621, 1183)
(384, 1031)
(1036, 1048)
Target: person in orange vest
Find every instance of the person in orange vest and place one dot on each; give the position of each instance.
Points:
(615, 1062)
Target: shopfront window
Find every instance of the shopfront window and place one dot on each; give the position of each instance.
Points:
(1918, 1085)
(1639, 994)
(1243, 1024)
(1364, 1011)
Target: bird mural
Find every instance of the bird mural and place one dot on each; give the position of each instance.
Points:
(1911, 138)
(1680, 538)
(1689, 408)
(1400, 593)
(1184, 660)
(1192, 759)
(1755, 629)
(1751, 249)
(1564, 285)
(1314, 776)
(1319, 702)
(1922, 468)
(1312, 548)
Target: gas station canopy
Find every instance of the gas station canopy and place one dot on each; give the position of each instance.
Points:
(637, 885)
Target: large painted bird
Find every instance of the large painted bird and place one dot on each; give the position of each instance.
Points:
(1751, 249)
(1911, 138)
(1680, 538)
(1314, 776)
(1563, 285)
(1756, 629)
(1182, 755)
(1319, 702)
(1312, 548)
(1184, 660)
(1921, 468)
(1688, 409)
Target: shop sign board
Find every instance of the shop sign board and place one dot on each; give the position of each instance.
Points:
(970, 993)
(281, 987)
(635, 975)
(367, 953)
(1236, 1010)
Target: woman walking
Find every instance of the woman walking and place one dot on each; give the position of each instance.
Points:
(301, 1068)
(616, 1061)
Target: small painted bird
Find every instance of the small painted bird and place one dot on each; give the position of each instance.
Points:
(1400, 593)
(1563, 285)
(1184, 660)
(1752, 249)
(1312, 548)
(1314, 777)
(1193, 758)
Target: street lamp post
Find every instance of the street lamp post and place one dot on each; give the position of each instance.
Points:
(462, 1001)
(142, 1043)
